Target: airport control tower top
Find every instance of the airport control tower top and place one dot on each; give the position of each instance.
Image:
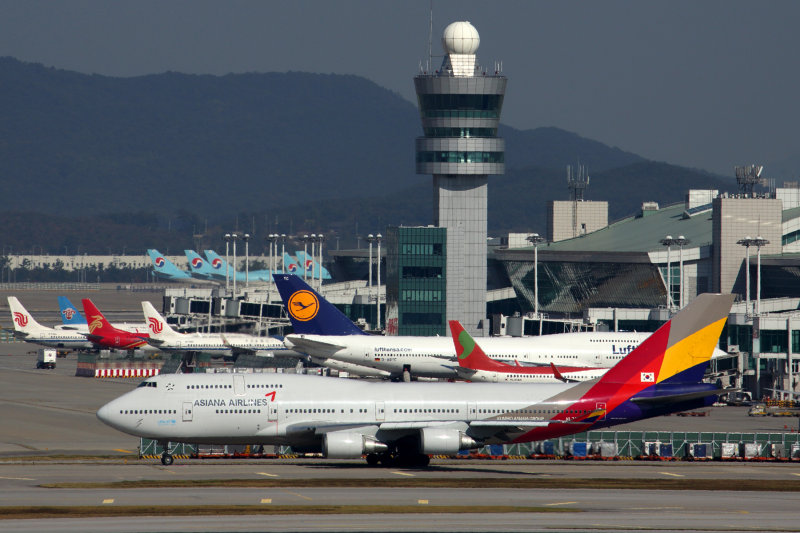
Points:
(460, 41)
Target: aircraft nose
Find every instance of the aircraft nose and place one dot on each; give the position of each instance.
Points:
(104, 414)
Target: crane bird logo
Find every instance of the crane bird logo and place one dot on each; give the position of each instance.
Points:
(155, 325)
(303, 305)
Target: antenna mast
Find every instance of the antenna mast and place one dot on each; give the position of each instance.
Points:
(430, 39)
(577, 182)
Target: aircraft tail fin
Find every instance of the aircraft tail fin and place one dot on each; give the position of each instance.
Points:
(311, 266)
(470, 355)
(164, 267)
(69, 313)
(24, 322)
(197, 264)
(159, 329)
(291, 265)
(217, 263)
(309, 312)
(98, 325)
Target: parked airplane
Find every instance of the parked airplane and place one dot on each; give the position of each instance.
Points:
(164, 268)
(406, 423)
(311, 266)
(291, 265)
(474, 365)
(200, 268)
(163, 337)
(219, 266)
(29, 330)
(321, 330)
(103, 334)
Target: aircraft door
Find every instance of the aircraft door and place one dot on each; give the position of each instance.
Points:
(187, 411)
(272, 410)
(472, 411)
(238, 385)
(379, 411)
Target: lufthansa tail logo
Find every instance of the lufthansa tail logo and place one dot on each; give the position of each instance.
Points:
(303, 305)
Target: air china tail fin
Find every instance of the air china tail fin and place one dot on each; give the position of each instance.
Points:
(24, 323)
(309, 312)
(70, 315)
(470, 355)
(164, 267)
(159, 329)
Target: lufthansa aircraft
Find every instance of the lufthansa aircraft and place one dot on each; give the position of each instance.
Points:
(322, 331)
(404, 423)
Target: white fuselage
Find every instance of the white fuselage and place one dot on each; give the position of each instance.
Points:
(292, 409)
(222, 344)
(54, 338)
(436, 356)
(491, 376)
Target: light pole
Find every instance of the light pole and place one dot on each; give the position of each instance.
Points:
(313, 247)
(681, 241)
(246, 238)
(305, 254)
(378, 236)
(321, 238)
(746, 242)
(227, 259)
(370, 239)
(535, 239)
(759, 242)
(234, 236)
(283, 253)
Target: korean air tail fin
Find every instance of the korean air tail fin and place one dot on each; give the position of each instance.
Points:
(24, 323)
(218, 264)
(311, 266)
(164, 268)
(470, 355)
(291, 265)
(70, 315)
(309, 312)
(197, 265)
(159, 329)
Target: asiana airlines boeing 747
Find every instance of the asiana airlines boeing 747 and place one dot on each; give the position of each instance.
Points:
(404, 423)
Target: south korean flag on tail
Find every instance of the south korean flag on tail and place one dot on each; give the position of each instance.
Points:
(648, 377)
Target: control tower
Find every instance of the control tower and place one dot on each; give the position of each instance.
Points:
(460, 108)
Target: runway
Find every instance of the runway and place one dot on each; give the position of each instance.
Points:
(50, 435)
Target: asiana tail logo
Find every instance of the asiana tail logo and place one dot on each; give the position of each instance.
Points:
(303, 305)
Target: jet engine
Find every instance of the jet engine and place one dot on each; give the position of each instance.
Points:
(438, 441)
(350, 445)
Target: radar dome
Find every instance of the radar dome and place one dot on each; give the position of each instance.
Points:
(460, 38)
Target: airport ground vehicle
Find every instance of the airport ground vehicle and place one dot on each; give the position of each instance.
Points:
(46, 358)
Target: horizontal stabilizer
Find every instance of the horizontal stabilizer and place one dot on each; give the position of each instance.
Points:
(677, 398)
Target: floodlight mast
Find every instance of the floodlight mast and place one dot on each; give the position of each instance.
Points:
(535, 239)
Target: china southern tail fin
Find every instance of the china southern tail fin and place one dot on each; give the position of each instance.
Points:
(470, 355)
(24, 323)
(70, 315)
(309, 312)
(159, 329)
(164, 268)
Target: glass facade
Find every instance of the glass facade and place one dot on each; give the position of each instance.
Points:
(464, 133)
(460, 105)
(416, 284)
(460, 157)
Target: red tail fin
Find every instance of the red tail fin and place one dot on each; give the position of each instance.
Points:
(98, 325)
(470, 355)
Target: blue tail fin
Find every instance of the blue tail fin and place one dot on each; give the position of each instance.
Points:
(164, 268)
(312, 267)
(218, 264)
(70, 315)
(291, 265)
(309, 312)
(198, 265)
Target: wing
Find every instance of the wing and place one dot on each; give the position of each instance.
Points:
(311, 347)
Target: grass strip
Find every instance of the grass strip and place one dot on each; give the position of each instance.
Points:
(29, 512)
(769, 485)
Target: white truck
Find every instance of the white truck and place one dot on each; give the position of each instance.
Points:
(46, 358)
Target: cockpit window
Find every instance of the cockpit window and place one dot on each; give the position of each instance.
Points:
(147, 384)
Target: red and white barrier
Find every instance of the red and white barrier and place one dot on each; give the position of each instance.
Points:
(125, 372)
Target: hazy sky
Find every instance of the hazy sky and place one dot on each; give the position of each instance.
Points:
(708, 84)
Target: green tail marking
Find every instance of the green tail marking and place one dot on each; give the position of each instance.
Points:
(467, 343)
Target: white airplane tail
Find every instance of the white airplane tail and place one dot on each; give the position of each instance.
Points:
(159, 329)
(23, 321)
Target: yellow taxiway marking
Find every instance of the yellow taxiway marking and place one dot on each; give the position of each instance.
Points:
(403, 474)
(108, 500)
(298, 495)
(559, 503)
(793, 473)
(120, 450)
(671, 474)
(422, 502)
(267, 474)
(19, 478)
(266, 500)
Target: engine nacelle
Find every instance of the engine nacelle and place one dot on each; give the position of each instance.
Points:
(438, 441)
(338, 445)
